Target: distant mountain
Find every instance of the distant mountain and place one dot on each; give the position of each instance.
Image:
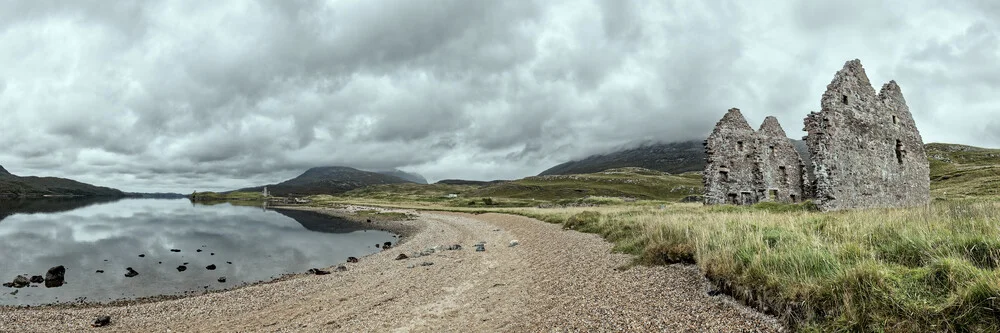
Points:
(405, 175)
(327, 180)
(676, 157)
(155, 195)
(468, 182)
(12, 186)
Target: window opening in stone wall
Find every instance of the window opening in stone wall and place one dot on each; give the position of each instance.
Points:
(784, 174)
(732, 199)
(773, 195)
(770, 150)
(845, 99)
(794, 198)
(895, 120)
(724, 175)
(899, 151)
(739, 145)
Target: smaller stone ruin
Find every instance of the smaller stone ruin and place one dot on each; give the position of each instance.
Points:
(746, 166)
(865, 149)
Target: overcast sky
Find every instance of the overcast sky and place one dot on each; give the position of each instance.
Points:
(213, 95)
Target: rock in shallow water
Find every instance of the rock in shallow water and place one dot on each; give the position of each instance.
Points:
(181, 268)
(20, 281)
(55, 277)
(211, 267)
(352, 260)
(129, 272)
(37, 279)
(222, 279)
(317, 271)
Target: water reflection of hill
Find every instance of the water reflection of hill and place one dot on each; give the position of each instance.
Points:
(321, 222)
(48, 205)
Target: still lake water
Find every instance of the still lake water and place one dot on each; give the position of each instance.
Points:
(87, 236)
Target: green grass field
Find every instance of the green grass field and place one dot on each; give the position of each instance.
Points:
(963, 172)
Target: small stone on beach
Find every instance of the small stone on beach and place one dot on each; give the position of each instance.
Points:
(101, 321)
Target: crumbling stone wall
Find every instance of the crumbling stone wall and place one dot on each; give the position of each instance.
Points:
(730, 175)
(783, 173)
(866, 149)
(746, 166)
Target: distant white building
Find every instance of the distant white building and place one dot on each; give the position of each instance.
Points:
(265, 191)
(452, 196)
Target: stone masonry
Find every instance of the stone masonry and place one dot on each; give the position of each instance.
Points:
(746, 166)
(865, 149)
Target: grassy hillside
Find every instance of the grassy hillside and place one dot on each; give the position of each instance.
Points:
(675, 157)
(410, 192)
(635, 183)
(959, 171)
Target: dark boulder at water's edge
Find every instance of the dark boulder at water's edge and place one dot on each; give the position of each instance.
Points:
(55, 277)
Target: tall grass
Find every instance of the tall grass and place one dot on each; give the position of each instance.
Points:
(898, 270)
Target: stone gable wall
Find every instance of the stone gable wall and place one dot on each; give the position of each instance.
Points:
(867, 151)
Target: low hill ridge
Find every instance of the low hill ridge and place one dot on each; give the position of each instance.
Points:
(15, 186)
(327, 180)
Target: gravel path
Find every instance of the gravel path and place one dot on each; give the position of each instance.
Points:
(555, 280)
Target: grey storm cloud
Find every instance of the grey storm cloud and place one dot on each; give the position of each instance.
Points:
(185, 95)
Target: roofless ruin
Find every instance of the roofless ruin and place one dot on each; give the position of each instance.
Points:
(865, 149)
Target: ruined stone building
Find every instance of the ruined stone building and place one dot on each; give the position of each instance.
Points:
(865, 149)
(746, 166)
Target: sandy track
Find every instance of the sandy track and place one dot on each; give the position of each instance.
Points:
(555, 280)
